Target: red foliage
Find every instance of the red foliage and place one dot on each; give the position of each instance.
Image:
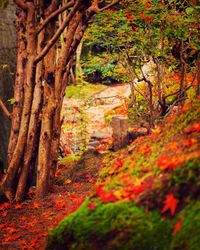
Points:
(194, 128)
(166, 162)
(108, 197)
(4, 206)
(177, 227)
(144, 149)
(91, 206)
(118, 162)
(170, 204)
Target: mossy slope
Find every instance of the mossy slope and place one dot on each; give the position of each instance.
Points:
(127, 210)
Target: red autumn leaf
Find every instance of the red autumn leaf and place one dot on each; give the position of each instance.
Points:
(4, 206)
(189, 142)
(162, 4)
(170, 204)
(4, 214)
(18, 206)
(91, 206)
(68, 151)
(118, 162)
(193, 128)
(60, 204)
(110, 11)
(172, 146)
(108, 197)
(99, 190)
(166, 162)
(177, 227)
(36, 205)
(144, 149)
(11, 230)
(186, 107)
(138, 189)
(23, 218)
(73, 196)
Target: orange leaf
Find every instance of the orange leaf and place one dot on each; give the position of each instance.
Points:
(18, 206)
(172, 146)
(166, 162)
(170, 204)
(194, 128)
(189, 142)
(144, 149)
(36, 205)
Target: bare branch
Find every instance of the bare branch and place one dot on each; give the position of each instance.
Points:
(5, 110)
(109, 5)
(178, 91)
(53, 40)
(53, 15)
(95, 7)
(21, 4)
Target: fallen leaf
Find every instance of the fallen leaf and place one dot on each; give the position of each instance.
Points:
(193, 128)
(18, 206)
(144, 149)
(4, 214)
(118, 162)
(189, 142)
(170, 204)
(91, 206)
(108, 197)
(177, 227)
(4, 206)
(166, 162)
(172, 146)
(36, 205)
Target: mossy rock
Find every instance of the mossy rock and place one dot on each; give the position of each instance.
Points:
(116, 226)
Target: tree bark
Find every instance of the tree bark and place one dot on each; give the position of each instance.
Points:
(41, 79)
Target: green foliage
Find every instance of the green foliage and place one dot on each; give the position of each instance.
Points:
(189, 235)
(83, 91)
(111, 226)
(12, 100)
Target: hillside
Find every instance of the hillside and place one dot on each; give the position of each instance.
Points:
(146, 196)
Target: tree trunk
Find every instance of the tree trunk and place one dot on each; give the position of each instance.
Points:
(42, 74)
(8, 47)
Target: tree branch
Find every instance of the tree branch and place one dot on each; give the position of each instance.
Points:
(5, 110)
(53, 15)
(109, 5)
(21, 4)
(53, 40)
(95, 8)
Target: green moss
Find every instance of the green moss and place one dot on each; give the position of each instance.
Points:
(116, 226)
(188, 238)
(83, 91)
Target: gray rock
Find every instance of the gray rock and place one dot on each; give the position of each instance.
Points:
(100, 135)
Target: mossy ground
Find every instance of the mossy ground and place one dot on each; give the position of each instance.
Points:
(126, 212)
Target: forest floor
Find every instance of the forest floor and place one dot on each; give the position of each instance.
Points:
(26, 225)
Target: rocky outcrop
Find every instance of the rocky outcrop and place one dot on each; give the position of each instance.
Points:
(7, 68)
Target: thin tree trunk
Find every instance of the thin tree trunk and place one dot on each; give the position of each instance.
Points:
(19, 85)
